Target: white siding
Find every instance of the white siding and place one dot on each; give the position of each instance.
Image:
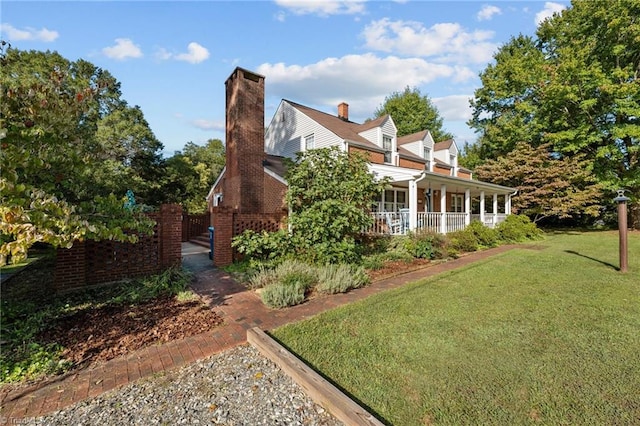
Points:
(428, 141)
(373, 136)
(388, 128)
(286, 132)
(414, 148)
(442, 155)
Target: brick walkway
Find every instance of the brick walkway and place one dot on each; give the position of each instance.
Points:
(240, 310)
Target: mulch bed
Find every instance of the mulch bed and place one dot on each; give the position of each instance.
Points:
(110, 331)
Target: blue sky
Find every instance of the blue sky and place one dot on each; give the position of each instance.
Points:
(172, 58)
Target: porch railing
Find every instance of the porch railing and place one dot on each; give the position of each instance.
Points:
(455, 221)
(429, 221)
(388, 223)
(490, 220)
(398, 223)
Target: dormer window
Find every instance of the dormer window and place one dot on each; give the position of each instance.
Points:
(453, 163)
(309, 142)
(427, 156)
(387, 146)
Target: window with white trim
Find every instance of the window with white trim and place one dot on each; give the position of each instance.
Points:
(309, 142)
(457, 203)
(427, 156)
(392, 200)
(387, 145)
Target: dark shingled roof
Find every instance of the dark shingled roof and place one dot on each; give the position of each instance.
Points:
(443, 145)
(347, 130)
(414, 137)
(276, 164)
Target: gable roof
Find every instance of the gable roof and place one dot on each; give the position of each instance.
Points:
(443, 145)
(414, 137)
(345, 129)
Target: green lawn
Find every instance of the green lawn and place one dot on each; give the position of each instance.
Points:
(533, 336)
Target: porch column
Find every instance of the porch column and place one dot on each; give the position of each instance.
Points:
(482, 207)
(507, 204)
(495, 208)
(413, 204)
(467, 207)
(443, 209)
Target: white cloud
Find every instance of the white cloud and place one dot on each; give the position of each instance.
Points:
(487, 12)
(11, 33)
(363, 81)
(454, 107)
(123, 49)
(445, 42)
(323, 7)
(549, 10)
(280, 16)
(204, 124)
(163, 54)
(195, 54)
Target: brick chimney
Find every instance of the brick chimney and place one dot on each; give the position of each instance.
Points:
(343, 111)
(244, 182)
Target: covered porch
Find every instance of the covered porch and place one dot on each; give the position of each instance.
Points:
(437, 203)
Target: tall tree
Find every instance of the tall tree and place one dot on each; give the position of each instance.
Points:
(549, 185)
(49, 115)
(191, 173)
(412, 112)
(581, 93)
(505, 107)
(130, 156)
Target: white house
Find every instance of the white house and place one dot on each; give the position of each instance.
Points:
(429, 189)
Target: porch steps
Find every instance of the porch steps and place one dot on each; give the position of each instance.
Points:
(201, 240)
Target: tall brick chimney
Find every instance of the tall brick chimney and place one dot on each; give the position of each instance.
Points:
(343, 111)
(244, 183)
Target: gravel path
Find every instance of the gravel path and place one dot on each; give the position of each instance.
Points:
(236, 387)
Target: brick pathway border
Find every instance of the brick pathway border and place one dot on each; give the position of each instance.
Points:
(240, 309)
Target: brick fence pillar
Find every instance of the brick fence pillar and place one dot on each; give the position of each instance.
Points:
(70, 272)
(170, 238)
(222, 219)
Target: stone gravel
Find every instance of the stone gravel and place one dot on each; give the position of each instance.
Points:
(236, 387)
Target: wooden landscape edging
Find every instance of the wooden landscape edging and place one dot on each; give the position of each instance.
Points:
(319, 389)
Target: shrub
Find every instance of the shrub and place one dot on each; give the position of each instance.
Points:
(263, 245)
(464, 241)
(373, 262)
(341, 278)
(281, 295)
(286, 284)
(420, 248)
(321, 253)
(170, 282)
(291, 271)
(371, 244)
(516, 228)
(262, 278)
(486, 236)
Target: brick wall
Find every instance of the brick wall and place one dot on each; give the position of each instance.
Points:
(464, 175)
(373, 156)
(441, 170)
(244, 176)
(274, 193)
(90, 263)
(411, 164)
(228, 223)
